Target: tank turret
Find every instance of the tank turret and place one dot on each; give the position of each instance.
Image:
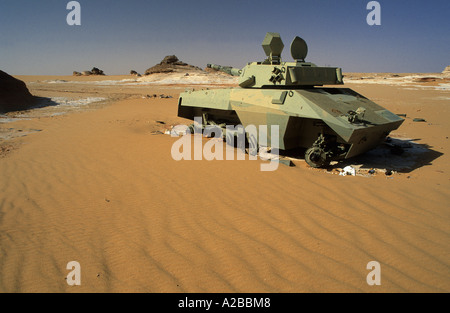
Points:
(273, 73)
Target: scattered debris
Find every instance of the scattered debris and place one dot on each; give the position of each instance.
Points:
(179, 130)
(162, 96)
(265, 154)
(419, 120)
(286, 162)
(386, 160)
(348, 170)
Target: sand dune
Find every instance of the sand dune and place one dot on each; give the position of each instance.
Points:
(98, 186)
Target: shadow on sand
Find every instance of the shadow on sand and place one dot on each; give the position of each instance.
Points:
(8, 133)
(35, 103)
(42, 102)
(400, 155)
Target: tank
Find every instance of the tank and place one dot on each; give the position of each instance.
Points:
(307, 102)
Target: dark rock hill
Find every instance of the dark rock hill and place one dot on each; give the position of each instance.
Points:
(171, 64)
(14, 94)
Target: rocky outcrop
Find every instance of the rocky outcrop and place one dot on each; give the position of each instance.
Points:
(94, 71)
(171, 59)
(14, 94)
(446, 71)
(171, 64)
(134, 73)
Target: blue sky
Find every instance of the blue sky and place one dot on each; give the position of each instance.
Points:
(117, 36)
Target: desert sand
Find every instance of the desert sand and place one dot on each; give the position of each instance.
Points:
(89, 177)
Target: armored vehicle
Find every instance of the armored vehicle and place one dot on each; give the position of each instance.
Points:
(332, 123)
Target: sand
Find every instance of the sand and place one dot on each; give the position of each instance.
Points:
(97, 184)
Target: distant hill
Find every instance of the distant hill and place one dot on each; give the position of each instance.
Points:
(172, 64)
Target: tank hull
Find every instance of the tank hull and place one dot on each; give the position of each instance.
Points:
(303, 115)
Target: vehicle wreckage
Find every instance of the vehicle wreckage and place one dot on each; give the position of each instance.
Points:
(332, 123)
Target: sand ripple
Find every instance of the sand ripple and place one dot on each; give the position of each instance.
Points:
(108, 195)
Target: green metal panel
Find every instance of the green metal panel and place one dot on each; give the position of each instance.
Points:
(279, 97)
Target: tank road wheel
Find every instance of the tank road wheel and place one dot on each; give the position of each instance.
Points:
(316, 157)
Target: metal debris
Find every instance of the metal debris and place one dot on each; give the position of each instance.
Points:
(348, 170)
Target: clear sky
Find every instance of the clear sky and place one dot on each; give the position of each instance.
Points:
(118, 36)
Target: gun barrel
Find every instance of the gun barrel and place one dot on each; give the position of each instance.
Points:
(226, 69)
